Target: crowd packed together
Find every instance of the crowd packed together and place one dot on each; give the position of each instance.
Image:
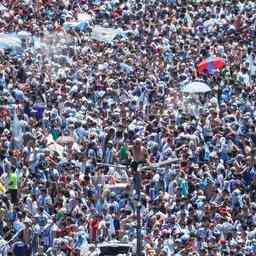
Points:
(82, 111)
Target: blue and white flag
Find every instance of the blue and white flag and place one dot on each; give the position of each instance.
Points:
(3, 8)
(9, 41)
(103, 34)
(81, 25)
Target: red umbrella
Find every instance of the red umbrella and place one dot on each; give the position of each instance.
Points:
(211, 64)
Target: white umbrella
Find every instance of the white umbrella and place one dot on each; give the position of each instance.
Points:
(196, 87)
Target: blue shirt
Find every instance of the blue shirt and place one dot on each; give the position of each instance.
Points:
(20, 249)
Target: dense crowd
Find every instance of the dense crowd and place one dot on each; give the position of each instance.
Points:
(79, 116)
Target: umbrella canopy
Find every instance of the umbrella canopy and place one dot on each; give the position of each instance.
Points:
(211, 64)
(196, 87)
(9, 41)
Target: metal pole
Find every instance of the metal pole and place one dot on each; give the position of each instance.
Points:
(137, 185)
(137, 181)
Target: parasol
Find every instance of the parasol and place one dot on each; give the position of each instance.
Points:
(196, 87)
(211, 64)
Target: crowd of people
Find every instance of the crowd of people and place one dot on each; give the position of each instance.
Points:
(80, 116)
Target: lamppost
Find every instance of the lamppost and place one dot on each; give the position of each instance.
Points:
(137, 185)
